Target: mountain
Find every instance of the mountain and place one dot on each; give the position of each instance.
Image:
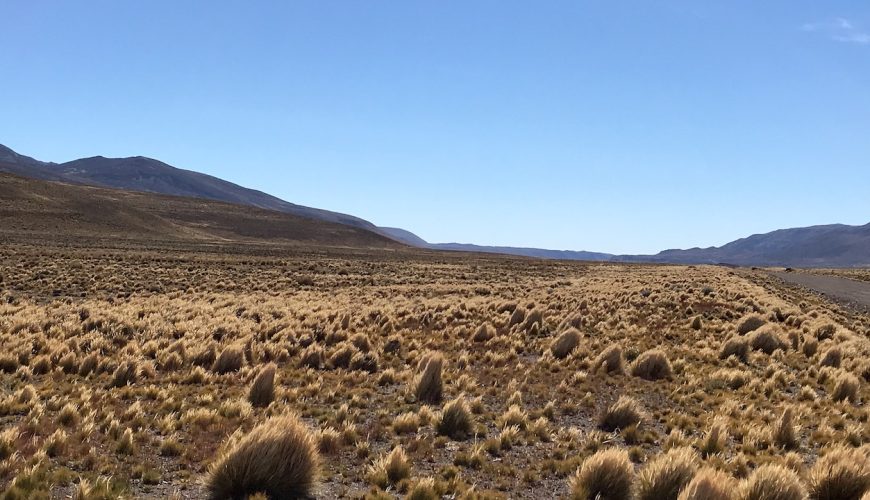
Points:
(833, 245)
(37, 209)
(139, 173)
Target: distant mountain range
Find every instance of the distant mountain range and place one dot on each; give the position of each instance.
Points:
(834, 245)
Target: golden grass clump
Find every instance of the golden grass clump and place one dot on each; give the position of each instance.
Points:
(231, 359)
(709, 484)
(652, 365)
(428, 386)
(390, 469)
(625, 412)
(609, 361)
(606, 475)
(773, 482)
(767, 339)
(663, 477)
(484, 332)
(262, 390)
(278, 458)
(565, 343)
(737, 347)
(784, 433)
(455, 420)
(846, 387)
(841, 473)
(750, 323)
(833, 357)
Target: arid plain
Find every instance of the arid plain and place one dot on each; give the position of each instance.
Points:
(140, 371)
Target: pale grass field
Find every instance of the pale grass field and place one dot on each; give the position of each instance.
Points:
(126, 373)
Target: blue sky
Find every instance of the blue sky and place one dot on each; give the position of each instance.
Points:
(624, 127)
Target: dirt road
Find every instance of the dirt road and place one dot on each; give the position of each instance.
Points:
(854, 293)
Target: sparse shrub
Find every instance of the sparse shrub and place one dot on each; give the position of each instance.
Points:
(767, 340)
(424, 489)
(772, 482)
(455, 421)
(565, 343)
(709, 484)
(364, 361)
(7, 443)
(652, 365)
(737, 347)
(406, 423)
(126, 445)
(125, 374)
(842, 473)
(750, 323)
(666, 475)
(833, 357)
(328, 441)
(312, 356)
(606, 475)
(262, 390)
(56, 444)
(784, 433)
(624, 412)
(609, 361)
(428, 387)
(341, 357)
(715, 439)
(230, 360)
(390, 469)
(278, 457)
(483, 333)
(846, 387)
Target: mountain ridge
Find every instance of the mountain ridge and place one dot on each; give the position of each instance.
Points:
(830, 245)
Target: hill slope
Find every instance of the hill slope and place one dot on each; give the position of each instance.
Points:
(46, 209)
(139, 173)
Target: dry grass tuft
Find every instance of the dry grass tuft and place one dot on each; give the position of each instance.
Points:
(773, 482)
(230, 360)
(565, 343)
(428, 386)
(666, 475)
(750, 323)
(609, 361)
(606, 475)
(455, 421)
(278, 457)
(842, 473)
(652, 365)
(625, 412)
(710, 484)
(262, 390)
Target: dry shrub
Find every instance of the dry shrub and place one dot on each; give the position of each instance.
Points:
(709, 484)
(565, 343)
(534, 321)
(312, 356)
(810, 347)
(609, 360)
(833, 357)
(606, 475)
(125, 374)
(773, 482)
(517, 316)
(424, 489)
(784, 433)
(390, 469)
(666, 475)
(737, 347)
(767, 339)
(428, 386)
(715, 439)
(278, 457)
(842, 473)
(846, 387)
(750, 323)
(483, 333)
(88, 364)
(262, 390)
(361, 342)
(229, 360)
(652, 365)
(696, 323)
(341, 357)
(455, 421)
(825, 331)
(364, 361)
(626, 411)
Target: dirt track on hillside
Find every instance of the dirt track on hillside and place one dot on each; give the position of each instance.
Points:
(851, 292)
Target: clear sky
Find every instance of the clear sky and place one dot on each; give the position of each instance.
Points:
(624, 127)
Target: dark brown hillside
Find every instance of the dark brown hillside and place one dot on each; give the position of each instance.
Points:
(37, 208)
